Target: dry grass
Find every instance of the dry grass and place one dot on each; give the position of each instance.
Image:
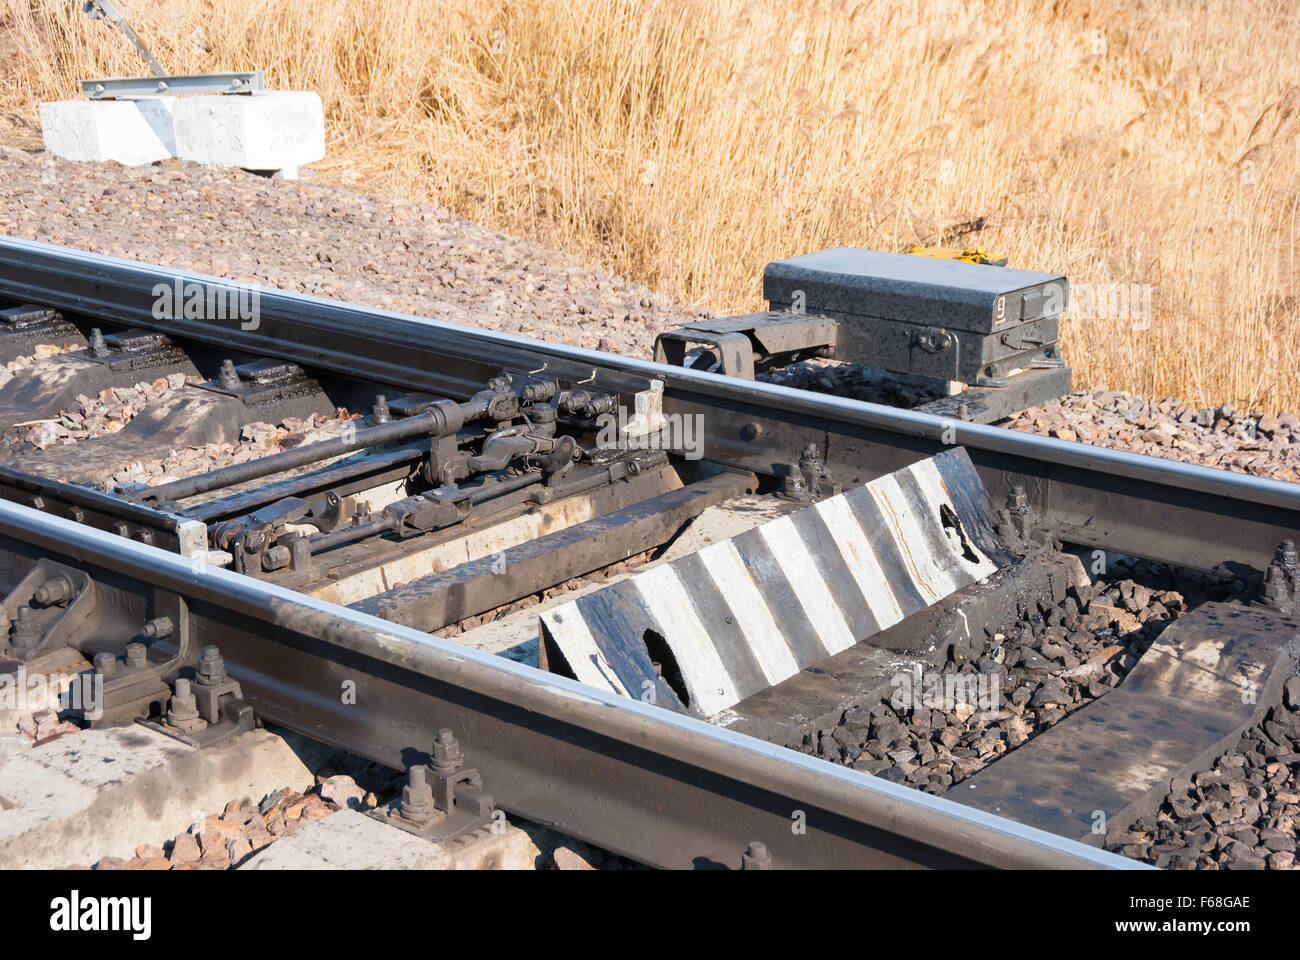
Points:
(685, 144)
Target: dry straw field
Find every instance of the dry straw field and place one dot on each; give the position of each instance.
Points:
(685, 143)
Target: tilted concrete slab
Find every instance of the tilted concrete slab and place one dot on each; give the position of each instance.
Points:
(744, 614)
(1211, 674)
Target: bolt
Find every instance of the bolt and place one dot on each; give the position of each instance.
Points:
(212, 668)
(1280, 578)
(105, 664)
(121, 529)
(963, 411)
(137, 655)
(756, 857)
(158, 627)
(379, 413)
(27, 633)
(229, 376)
(76, 515)
(447, 756)
(752, 430)
(183, 711)
(54, 590)
(97, 346)
(145, 537)
(417, 796)
(1020, 510)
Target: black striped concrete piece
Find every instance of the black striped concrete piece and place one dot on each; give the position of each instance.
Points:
(744, 614)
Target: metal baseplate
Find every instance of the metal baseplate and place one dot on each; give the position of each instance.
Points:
(143, 663)
(443, 802)
(25, 326)
(205, 712)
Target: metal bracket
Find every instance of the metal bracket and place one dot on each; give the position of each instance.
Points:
(208, 710)
(261, 381)
(135, 684)
(131, 350)
(111, 88)
(740, 346)
(808, 480)
(441, 802)
(46, 610)
(108, 88)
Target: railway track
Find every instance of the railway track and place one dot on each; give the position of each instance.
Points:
(477, 485)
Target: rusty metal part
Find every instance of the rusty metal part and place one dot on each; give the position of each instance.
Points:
(742, 346)
(24, 327)
(443, 800)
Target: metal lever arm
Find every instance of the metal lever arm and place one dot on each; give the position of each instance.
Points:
(104, 10)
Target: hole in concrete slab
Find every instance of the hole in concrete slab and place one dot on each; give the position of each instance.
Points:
(955, 532)
(661, 655)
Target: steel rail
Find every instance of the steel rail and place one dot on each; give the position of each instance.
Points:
(1183, 514)
(654, 785)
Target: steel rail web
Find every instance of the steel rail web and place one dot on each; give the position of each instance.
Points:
(654, 785)
(1184, 514)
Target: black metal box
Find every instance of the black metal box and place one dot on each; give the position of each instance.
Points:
(946, 319)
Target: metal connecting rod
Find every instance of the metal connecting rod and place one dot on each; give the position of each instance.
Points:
(104, 10)
(442, 419)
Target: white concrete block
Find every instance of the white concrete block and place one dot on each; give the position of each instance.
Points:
(350, 840)
(132, 132)
(263, 130)
(101, 793)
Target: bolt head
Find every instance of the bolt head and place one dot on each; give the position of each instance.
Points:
(446, 749)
